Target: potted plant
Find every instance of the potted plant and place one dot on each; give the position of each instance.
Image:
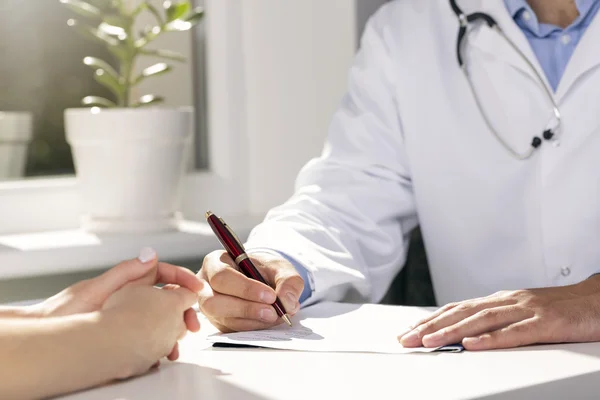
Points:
(129, 153)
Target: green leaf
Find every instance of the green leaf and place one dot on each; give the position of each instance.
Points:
(148, 99)
(176, 10)
(121, 21)
(97, 64)
(82, 8)
(109, 82)
(112, 30)
(179, 25)
(97, 101)
(153, 70)
(195, 16)
(156, 69)
(166, 54)
(92, 33)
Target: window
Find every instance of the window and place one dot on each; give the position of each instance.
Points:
(41, 73)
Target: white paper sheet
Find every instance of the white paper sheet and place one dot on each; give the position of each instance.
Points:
(336, 327)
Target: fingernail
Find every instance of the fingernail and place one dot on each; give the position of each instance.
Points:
(471, 340)
(267, 297)
(268, 315)
(411, 339)
(291, 298)
(147, 254)
(433, 338)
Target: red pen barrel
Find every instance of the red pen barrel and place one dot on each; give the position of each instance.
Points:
(236, 251)
(227, 239)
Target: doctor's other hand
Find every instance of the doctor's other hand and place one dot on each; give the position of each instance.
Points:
(148, 322)
(233, 302)
(514, 318)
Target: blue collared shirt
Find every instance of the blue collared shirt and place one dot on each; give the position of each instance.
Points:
(552, 45)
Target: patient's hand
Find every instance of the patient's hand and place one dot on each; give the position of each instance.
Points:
(150, 321)
(90, 295)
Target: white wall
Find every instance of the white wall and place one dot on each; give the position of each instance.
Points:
(297, 55)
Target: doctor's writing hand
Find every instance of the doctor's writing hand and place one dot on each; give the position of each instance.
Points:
(514, 318)
(234, 302)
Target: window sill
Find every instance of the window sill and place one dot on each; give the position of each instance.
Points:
(67, 251)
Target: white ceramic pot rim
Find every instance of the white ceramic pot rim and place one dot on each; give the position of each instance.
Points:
(154, 125)
(128, 110)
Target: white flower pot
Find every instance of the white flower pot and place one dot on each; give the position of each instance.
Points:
(15, 135)
(130, 166)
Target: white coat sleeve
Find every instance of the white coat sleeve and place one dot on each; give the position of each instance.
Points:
(353, 209)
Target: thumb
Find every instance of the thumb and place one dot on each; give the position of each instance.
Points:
(288, 285)
(183, 298)
(126, 272)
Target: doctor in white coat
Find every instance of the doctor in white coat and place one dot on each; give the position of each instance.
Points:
(491, 145)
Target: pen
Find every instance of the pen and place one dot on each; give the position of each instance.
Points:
(236, 251)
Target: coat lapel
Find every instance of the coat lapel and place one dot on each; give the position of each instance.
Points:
(585, 58)
(495, 45)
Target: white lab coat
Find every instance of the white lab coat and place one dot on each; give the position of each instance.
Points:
(409, 146)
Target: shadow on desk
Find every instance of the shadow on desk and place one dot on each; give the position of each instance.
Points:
(575, 388)
(171, 381)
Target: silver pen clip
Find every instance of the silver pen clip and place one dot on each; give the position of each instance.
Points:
(233, 234)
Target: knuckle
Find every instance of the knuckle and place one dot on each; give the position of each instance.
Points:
(223, 326)
(522, 328)
(519, 294)
(249, 311)
(426, 328)
(463, 307)
(249, 292)
(488, 314)
(214, 259)
(449, 331)
(209, 306)
(215, 255)
(450, 305)
(235, 325)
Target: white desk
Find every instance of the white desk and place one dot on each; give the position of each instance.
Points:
(543, 372)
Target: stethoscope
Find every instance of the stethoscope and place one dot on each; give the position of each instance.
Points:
(550, 133)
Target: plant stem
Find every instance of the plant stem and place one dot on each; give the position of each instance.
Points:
(127, 66)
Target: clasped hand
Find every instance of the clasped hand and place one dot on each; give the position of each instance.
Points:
(127, 293)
